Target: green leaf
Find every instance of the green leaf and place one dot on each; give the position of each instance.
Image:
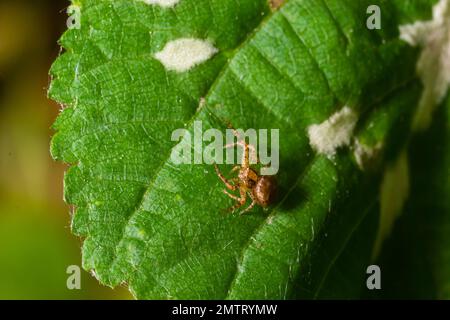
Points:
(121, 106)
(416, 257)
(158, 226)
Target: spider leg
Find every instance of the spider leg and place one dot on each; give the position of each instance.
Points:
(250, 154)
(231, 145)
(235, 168)
(241, 201)
(224, 180)
(245, 156)
(253, 157)
(250, 207)
(232, 196)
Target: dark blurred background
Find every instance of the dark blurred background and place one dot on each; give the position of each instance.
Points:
(36, 245)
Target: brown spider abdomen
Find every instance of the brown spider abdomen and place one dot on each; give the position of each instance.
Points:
(265, 191)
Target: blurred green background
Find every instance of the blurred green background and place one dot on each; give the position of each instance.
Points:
(36, 245)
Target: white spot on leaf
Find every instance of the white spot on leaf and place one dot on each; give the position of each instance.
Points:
(393, 195)
(183, 54)
(163, 3)
(434, 62)
(364, 154)
(333, 133)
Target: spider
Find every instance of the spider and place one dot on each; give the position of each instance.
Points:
(261, 189)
